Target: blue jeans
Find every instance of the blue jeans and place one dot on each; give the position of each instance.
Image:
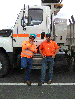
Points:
(50, 61)
(26, 62)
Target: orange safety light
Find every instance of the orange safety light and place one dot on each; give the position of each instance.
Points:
(58, 5)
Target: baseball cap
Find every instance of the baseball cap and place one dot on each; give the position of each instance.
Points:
(48, 35)
(31, 36)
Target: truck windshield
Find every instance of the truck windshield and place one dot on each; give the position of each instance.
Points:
(35, 16)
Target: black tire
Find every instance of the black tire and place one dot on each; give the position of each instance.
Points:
(4, 65)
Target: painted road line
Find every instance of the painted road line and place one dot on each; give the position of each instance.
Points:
(37, 84)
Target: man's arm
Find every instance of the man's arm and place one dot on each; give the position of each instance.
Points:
(35, 48)
(40, 50)
(56, 51)
(24, 45)
(41, 53)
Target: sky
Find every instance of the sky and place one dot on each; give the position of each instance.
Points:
(67, 11)
(10, 8)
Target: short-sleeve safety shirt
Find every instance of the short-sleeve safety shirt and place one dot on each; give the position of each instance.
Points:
(26, 52)
(48, 48)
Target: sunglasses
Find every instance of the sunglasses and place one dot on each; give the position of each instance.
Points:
(47, 37)
(31, 38)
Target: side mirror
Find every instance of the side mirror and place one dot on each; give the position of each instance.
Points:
(24, 21)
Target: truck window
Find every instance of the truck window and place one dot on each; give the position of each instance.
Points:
(35, 16)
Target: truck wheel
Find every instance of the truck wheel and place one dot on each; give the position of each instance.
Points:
(4, 65)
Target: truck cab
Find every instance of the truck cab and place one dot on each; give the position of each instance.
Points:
(32, 20)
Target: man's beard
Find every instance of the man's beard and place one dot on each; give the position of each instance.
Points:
(48, 40)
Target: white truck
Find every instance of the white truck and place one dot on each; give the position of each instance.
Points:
(32, 20)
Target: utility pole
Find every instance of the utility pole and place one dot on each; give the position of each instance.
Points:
(73, 27)
(70, 30)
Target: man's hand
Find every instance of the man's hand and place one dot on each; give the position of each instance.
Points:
(53, 56)
(29, 48)
(31, 42)
(43, 56)
(41, 53)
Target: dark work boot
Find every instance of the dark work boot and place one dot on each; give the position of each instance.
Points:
(28, 83)
(40, 83)
(49, 82)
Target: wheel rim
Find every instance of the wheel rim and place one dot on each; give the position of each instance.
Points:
(0, 66)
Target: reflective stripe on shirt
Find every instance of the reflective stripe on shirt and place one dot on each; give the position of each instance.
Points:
(26, 54)
(27, 50)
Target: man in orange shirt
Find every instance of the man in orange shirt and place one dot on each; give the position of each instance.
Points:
(48, 50)
(28, 47)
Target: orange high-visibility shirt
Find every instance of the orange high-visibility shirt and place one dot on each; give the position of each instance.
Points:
(48, 48)
(26, 52)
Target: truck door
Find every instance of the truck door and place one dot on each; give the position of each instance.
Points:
(36, 24)
(32, 21)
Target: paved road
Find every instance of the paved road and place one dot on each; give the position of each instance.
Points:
(37, 92)
(60, 76)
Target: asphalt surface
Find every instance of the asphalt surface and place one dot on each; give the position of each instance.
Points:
(38, 92)
(60, 76)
